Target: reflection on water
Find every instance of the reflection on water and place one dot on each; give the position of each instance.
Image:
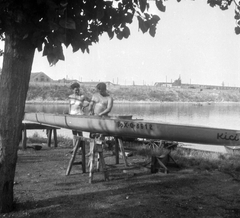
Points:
(221, 115)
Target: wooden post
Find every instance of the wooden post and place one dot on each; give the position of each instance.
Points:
(153, 164)
(55, 137)
(78, 143)
(116, 150)
(83, 144)
(162, 165)
(91, 160)
(123, 151)
(72, 159)
(24, 137)
(74, 140)
(96, 147)
(49, 133)
(105, 172)
(98, 162)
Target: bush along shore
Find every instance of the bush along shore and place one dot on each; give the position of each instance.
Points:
(59, 94)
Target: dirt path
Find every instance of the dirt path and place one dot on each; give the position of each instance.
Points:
(43, 190)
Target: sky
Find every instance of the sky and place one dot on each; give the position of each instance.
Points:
(193, 41)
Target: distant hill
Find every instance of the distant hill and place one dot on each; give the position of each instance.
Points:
(136, 93)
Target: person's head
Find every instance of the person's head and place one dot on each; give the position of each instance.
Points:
(102, 88)
(75, 87)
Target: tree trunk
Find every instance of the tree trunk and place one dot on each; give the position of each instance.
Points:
(14, 82)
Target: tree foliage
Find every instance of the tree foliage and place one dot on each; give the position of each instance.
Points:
(224, 5)
(79, 23)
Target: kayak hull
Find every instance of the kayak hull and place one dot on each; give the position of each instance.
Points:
(138, 128)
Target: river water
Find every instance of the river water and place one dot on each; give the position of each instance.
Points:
(220, 115)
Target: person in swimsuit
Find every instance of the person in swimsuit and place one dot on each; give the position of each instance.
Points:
(76, 106)
(101, 103)
(76, 101)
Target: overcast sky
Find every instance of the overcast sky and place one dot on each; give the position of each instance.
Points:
(193, 40)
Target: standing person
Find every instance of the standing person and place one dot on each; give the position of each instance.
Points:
(76, 101)
(76, 106)
(101, 103)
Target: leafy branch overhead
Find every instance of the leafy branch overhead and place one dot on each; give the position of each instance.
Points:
(79, 23)
(49, 24)
(224, 5)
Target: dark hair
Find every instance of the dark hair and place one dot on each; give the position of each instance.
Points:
(75, 85)
(101, 86)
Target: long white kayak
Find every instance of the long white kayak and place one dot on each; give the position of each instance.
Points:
(137, 128)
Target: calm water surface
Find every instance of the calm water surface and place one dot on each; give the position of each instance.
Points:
(221, 115)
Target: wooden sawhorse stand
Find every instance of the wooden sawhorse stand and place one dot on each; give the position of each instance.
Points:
(79, 143)
(95, 148)
(119, 144)
(26, 126)
(161, 161)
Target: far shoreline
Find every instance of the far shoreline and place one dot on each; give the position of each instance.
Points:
(142, 102)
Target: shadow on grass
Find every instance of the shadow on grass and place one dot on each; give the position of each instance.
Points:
(138, 196)
(134, 194)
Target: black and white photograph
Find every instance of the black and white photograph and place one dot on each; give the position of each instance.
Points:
(119, 108)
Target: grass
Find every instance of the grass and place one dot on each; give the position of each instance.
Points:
(196, 159)
(186, 158)
(204, 160)
(62, 141)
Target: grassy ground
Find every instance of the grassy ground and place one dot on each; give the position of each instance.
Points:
(203, 184)
(203, 160)
(186, 158)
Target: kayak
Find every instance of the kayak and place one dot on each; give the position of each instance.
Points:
(125, 126)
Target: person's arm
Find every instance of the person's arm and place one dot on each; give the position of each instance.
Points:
(109, 107)
(86, 99)
(91, 106)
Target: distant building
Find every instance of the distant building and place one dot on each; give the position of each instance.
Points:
(67, 81)
(178, 84)
(88, 84)
(94, 84)
(40, 77)
(163, 84)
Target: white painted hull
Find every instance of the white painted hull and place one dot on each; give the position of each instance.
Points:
(135, 128)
